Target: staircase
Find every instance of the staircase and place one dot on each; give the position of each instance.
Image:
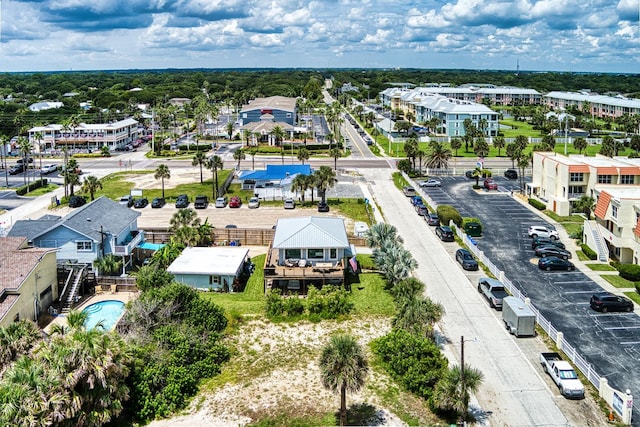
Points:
(600, 246)
(68, 299)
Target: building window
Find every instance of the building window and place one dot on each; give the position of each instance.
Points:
(614, 211)
(333, 253)
(244, 115)
(84, 246)
(576, 177)
(292, 253)
(604, 179)
(315, 253)
(576, 189)
(214, 280)
(626, 179)
(288, 115)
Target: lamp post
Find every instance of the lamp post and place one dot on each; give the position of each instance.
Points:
(463, 388)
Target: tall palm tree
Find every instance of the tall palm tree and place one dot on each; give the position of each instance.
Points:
(438, 156)
(300, 183)
(38, 137)
(303, 155)
(343, 367)
(199, 159)
(184, 218)
(73, 179)
(25, 149)
(238, 156)
(90, 185)
(162, 173)
(481, 148)
(456, 144)
(213, 164)
(380, 233)
(586, 205)
(325, 178)
(279, 134)
(411, 150)
(336, 153)
(252, 152)
(417, 315)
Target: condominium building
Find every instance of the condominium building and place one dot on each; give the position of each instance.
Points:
(598, 105)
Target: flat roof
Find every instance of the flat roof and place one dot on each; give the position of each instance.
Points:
(222, 261)
(620, 192)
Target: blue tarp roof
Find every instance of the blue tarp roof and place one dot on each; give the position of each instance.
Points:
(150, 246)
(277, 172)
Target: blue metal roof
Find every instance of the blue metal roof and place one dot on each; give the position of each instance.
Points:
(277, 172)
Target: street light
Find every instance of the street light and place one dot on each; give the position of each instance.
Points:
(463, 388)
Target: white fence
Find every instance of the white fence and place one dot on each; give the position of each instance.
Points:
(622, 403)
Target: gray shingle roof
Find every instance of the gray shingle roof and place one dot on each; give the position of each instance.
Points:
(310, 232)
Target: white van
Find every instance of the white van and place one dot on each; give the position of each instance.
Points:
(360, 229)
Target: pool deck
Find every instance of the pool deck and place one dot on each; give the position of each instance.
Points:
(125, 297)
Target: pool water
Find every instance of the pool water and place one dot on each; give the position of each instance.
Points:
(108, 312)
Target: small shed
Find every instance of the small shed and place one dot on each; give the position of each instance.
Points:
(214, 268)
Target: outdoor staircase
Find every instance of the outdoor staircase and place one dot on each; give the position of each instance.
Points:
(600, 245)
(70, 296)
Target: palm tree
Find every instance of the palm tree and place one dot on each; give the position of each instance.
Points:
(279, 135)
(17, 339)
(343, 367)
(336, 153)
(303, 155)
(199, 159)
(38, 137)
(407, 289)
(481, 148)
(252, 152)
(73, 179)
(456, 144)
(548, 143)
(238, 155)
(325, 178)
(25, 149)
(499, 143)
(162, 173)
(411, 150)
(417, 315)
(108, 265)
(580, 144)
(90, 185)
(452, 391)
(300, 183)
(395, 262)
(213, 164)
(438, 156)
(586, 205)
(380, 233)
(183, 218)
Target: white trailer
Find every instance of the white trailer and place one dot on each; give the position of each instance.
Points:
(518, 317)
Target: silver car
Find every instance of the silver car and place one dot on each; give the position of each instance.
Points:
(254, 203)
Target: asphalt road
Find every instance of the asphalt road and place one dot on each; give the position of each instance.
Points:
(609, 342)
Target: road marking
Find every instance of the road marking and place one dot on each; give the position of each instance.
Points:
(629, 342)
(580, 292)
(615, 328)
(574, 281)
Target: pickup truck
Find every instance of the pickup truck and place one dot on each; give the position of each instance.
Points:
(493, 290)
(563, 375)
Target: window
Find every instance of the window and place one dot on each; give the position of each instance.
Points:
(244, 115)
(576, 177)
(84, 245)
(614, 211)
(333, 253)
(604, 179)
(626, 179)
(315, 253)
(292, 253)
(576, 189)
(214, 280)
(288, 115)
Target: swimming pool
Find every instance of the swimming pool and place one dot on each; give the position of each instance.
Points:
(108, 312)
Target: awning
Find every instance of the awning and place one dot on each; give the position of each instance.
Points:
(150, 246)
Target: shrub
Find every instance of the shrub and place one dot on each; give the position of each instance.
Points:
(328, 303)
(315, 302)
(448, 213)
(588, 252)
(275, 304)
(405, 166)
(477, 187)
(629, 271)
(637, 287)
(21, 191)
(537, 204)
(293, 306)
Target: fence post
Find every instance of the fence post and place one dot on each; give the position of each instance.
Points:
(560, 336)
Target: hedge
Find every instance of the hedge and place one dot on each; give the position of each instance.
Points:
(588, 252)
(448, 213)
(537, 204)
(21, 191)
(630, 272)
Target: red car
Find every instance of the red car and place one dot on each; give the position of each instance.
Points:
(490, 184)
(235, 202)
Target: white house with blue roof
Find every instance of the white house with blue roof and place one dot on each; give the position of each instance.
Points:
(272, 176)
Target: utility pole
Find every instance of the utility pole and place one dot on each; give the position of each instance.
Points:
(465, 400)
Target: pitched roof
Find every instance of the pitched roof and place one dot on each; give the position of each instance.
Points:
(310, 232)
(602, 205)
(272, 102)
(86, 220)
(17, 261)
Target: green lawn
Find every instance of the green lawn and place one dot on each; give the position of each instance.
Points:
(600, 267)
(635, 296)
(42, 190)
(618, 281)
(582, 256)
(399, 180)
(572, 224)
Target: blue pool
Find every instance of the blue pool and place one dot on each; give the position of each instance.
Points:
(108, 312)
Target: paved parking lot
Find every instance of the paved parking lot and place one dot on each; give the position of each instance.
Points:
(610, 342)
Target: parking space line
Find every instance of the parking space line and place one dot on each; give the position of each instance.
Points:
(579, 292)
(616, 328)
(569, 282)
(629, 342)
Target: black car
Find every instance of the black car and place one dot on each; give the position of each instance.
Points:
(545, 251)
(432, 219)
(323, 207)
(182, 201)
(469, 174)
(466, 260)
(201, 202)
(76, 201)
(554, 263)
(444, 233)
(539, 241)
(158, 202)
(140, 203)
(606, 301)
(16, 169)
(511, 174)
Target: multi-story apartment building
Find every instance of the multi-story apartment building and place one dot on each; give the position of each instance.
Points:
(92, 136)
(598, 105)
(612, 182)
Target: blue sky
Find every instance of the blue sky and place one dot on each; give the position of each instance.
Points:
(555, 35)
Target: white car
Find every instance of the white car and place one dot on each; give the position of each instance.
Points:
(289, 203)
(542, 231)
(431, 183)
(254, 203)
(47, 169)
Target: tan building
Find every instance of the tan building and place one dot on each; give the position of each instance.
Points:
(559, 181)
(28, 280)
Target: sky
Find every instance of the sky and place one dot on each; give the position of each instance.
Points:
(543, 35)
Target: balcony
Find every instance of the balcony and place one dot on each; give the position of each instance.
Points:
(132, 240)
(320, 271)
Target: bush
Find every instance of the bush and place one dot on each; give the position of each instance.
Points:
(588, 252)
(537, 204)
(405, 166)
(328, 303)
(293, 306)
(629, 271)
(477, 187)
(21, 191)
(448, 213)
(275, 304)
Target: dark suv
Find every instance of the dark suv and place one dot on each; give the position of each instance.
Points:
(444, 233)
(605, 301)
(511, 174)
(76, 201)
(537, 242)
(466, 260)
(182, 201)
